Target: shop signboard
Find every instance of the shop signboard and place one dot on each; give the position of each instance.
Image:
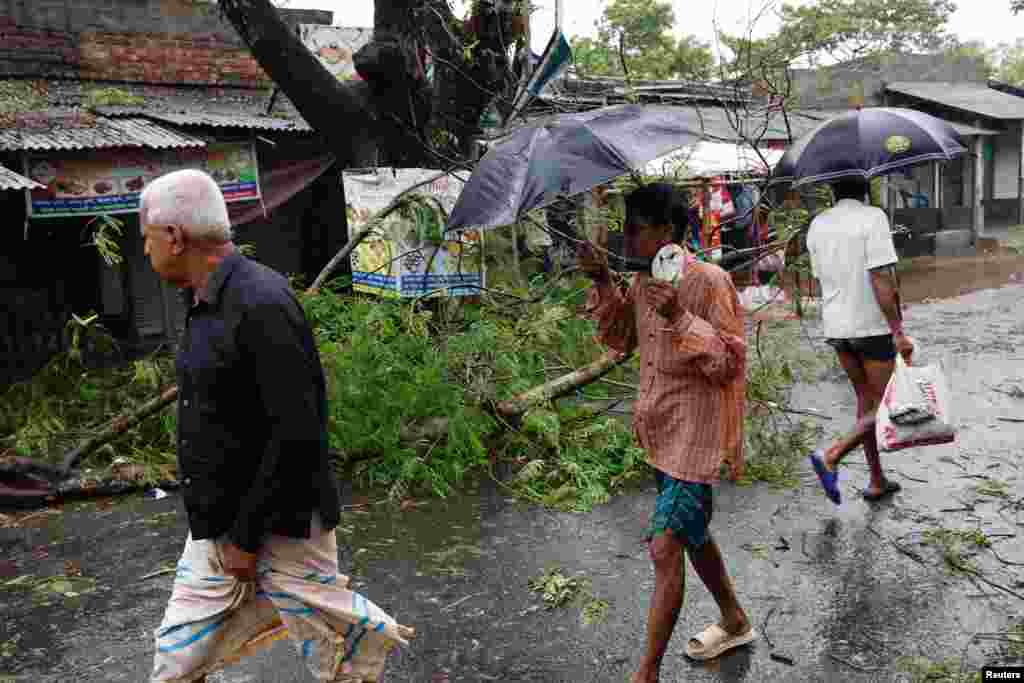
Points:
(405, 258)
(334, 47)
(111, 181)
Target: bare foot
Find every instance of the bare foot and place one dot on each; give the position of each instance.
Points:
(738, 624)
(829, 460)
(644, 677)
(877, 492)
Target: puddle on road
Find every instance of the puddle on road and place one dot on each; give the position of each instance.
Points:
(441, 535)
(933, 277)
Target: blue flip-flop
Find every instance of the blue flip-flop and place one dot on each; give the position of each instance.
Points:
(829, 480)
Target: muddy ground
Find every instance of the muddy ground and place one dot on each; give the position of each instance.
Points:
(847, 594)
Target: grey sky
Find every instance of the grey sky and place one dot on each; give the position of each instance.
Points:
(989, 21)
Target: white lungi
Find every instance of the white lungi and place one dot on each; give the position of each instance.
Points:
(213, 619)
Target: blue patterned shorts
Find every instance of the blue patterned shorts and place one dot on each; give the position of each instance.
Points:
(682, 506)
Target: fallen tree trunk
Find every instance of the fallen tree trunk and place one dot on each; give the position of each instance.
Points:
(561, 386)
(430, 431)
(509, 409)
(513, 408)
(125, 422)
(119, 427)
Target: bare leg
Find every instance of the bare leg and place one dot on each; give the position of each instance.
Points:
(878, 373)
(708, 563)
(849, 441)
(669, 586)
(869, 379)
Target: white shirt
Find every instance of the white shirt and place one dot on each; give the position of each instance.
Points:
(845, 242)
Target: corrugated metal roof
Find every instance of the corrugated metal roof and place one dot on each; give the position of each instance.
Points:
(712, 123)
(9, 180)
(976, 98)
(104, 132)
(200, 117)
(213, 106)
(600, 87)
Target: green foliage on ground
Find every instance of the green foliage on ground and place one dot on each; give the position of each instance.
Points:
(777, 442)
(72, 397)
(957, 546)
(922, 670)
(394, 369)
(557, 589)
(410, 385)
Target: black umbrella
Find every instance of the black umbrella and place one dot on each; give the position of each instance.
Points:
(868, 143)
(565, 155)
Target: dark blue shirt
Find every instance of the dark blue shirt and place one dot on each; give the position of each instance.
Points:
(252, 410)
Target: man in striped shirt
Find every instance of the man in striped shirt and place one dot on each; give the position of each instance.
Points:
(688, 415)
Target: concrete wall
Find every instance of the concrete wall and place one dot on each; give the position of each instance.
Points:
(1007, 158)
(833, 87)
(956, 218)
(144, 41)
(1001, 211)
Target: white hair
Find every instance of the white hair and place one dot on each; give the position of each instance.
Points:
(191, 199)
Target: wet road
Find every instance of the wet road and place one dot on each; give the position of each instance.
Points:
(846, 592)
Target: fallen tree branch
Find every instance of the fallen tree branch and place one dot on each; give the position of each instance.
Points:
(850, 664)
(118, 427)
(437, 427)
(566, 384)
(980, 577)
(122, 424)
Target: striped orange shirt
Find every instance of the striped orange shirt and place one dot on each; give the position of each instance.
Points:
(689, 412)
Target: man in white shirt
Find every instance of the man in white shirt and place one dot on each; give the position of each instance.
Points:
(853, 258)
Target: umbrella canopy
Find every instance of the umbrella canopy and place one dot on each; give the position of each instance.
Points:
(565, 155)
(868, 143)
(707, 158)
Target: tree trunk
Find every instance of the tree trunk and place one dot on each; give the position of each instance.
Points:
(432, 430)
(566, 384)
(396, 116)
(343, 114)
(120, 426)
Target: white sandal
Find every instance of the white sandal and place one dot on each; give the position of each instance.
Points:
(714, 641)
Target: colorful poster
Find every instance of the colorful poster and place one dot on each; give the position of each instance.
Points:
(110, 181)
(410, 257)
(334, 47)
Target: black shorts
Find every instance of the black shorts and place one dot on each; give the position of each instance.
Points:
(879, 347)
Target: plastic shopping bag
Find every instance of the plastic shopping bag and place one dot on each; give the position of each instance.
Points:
(915, 409)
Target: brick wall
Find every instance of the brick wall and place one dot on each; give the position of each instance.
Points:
(154, 41)
(32, 51)
(166, 58)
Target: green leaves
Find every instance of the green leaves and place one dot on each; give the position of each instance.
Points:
(1007, 57)
(827, 31)
(544, 426)
(641, 32)
(392, 367)
(556, 589)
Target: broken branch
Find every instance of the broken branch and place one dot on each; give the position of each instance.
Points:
(561, 386)
(118, 427)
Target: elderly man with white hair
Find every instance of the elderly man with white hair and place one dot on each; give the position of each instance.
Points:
(260, 494)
